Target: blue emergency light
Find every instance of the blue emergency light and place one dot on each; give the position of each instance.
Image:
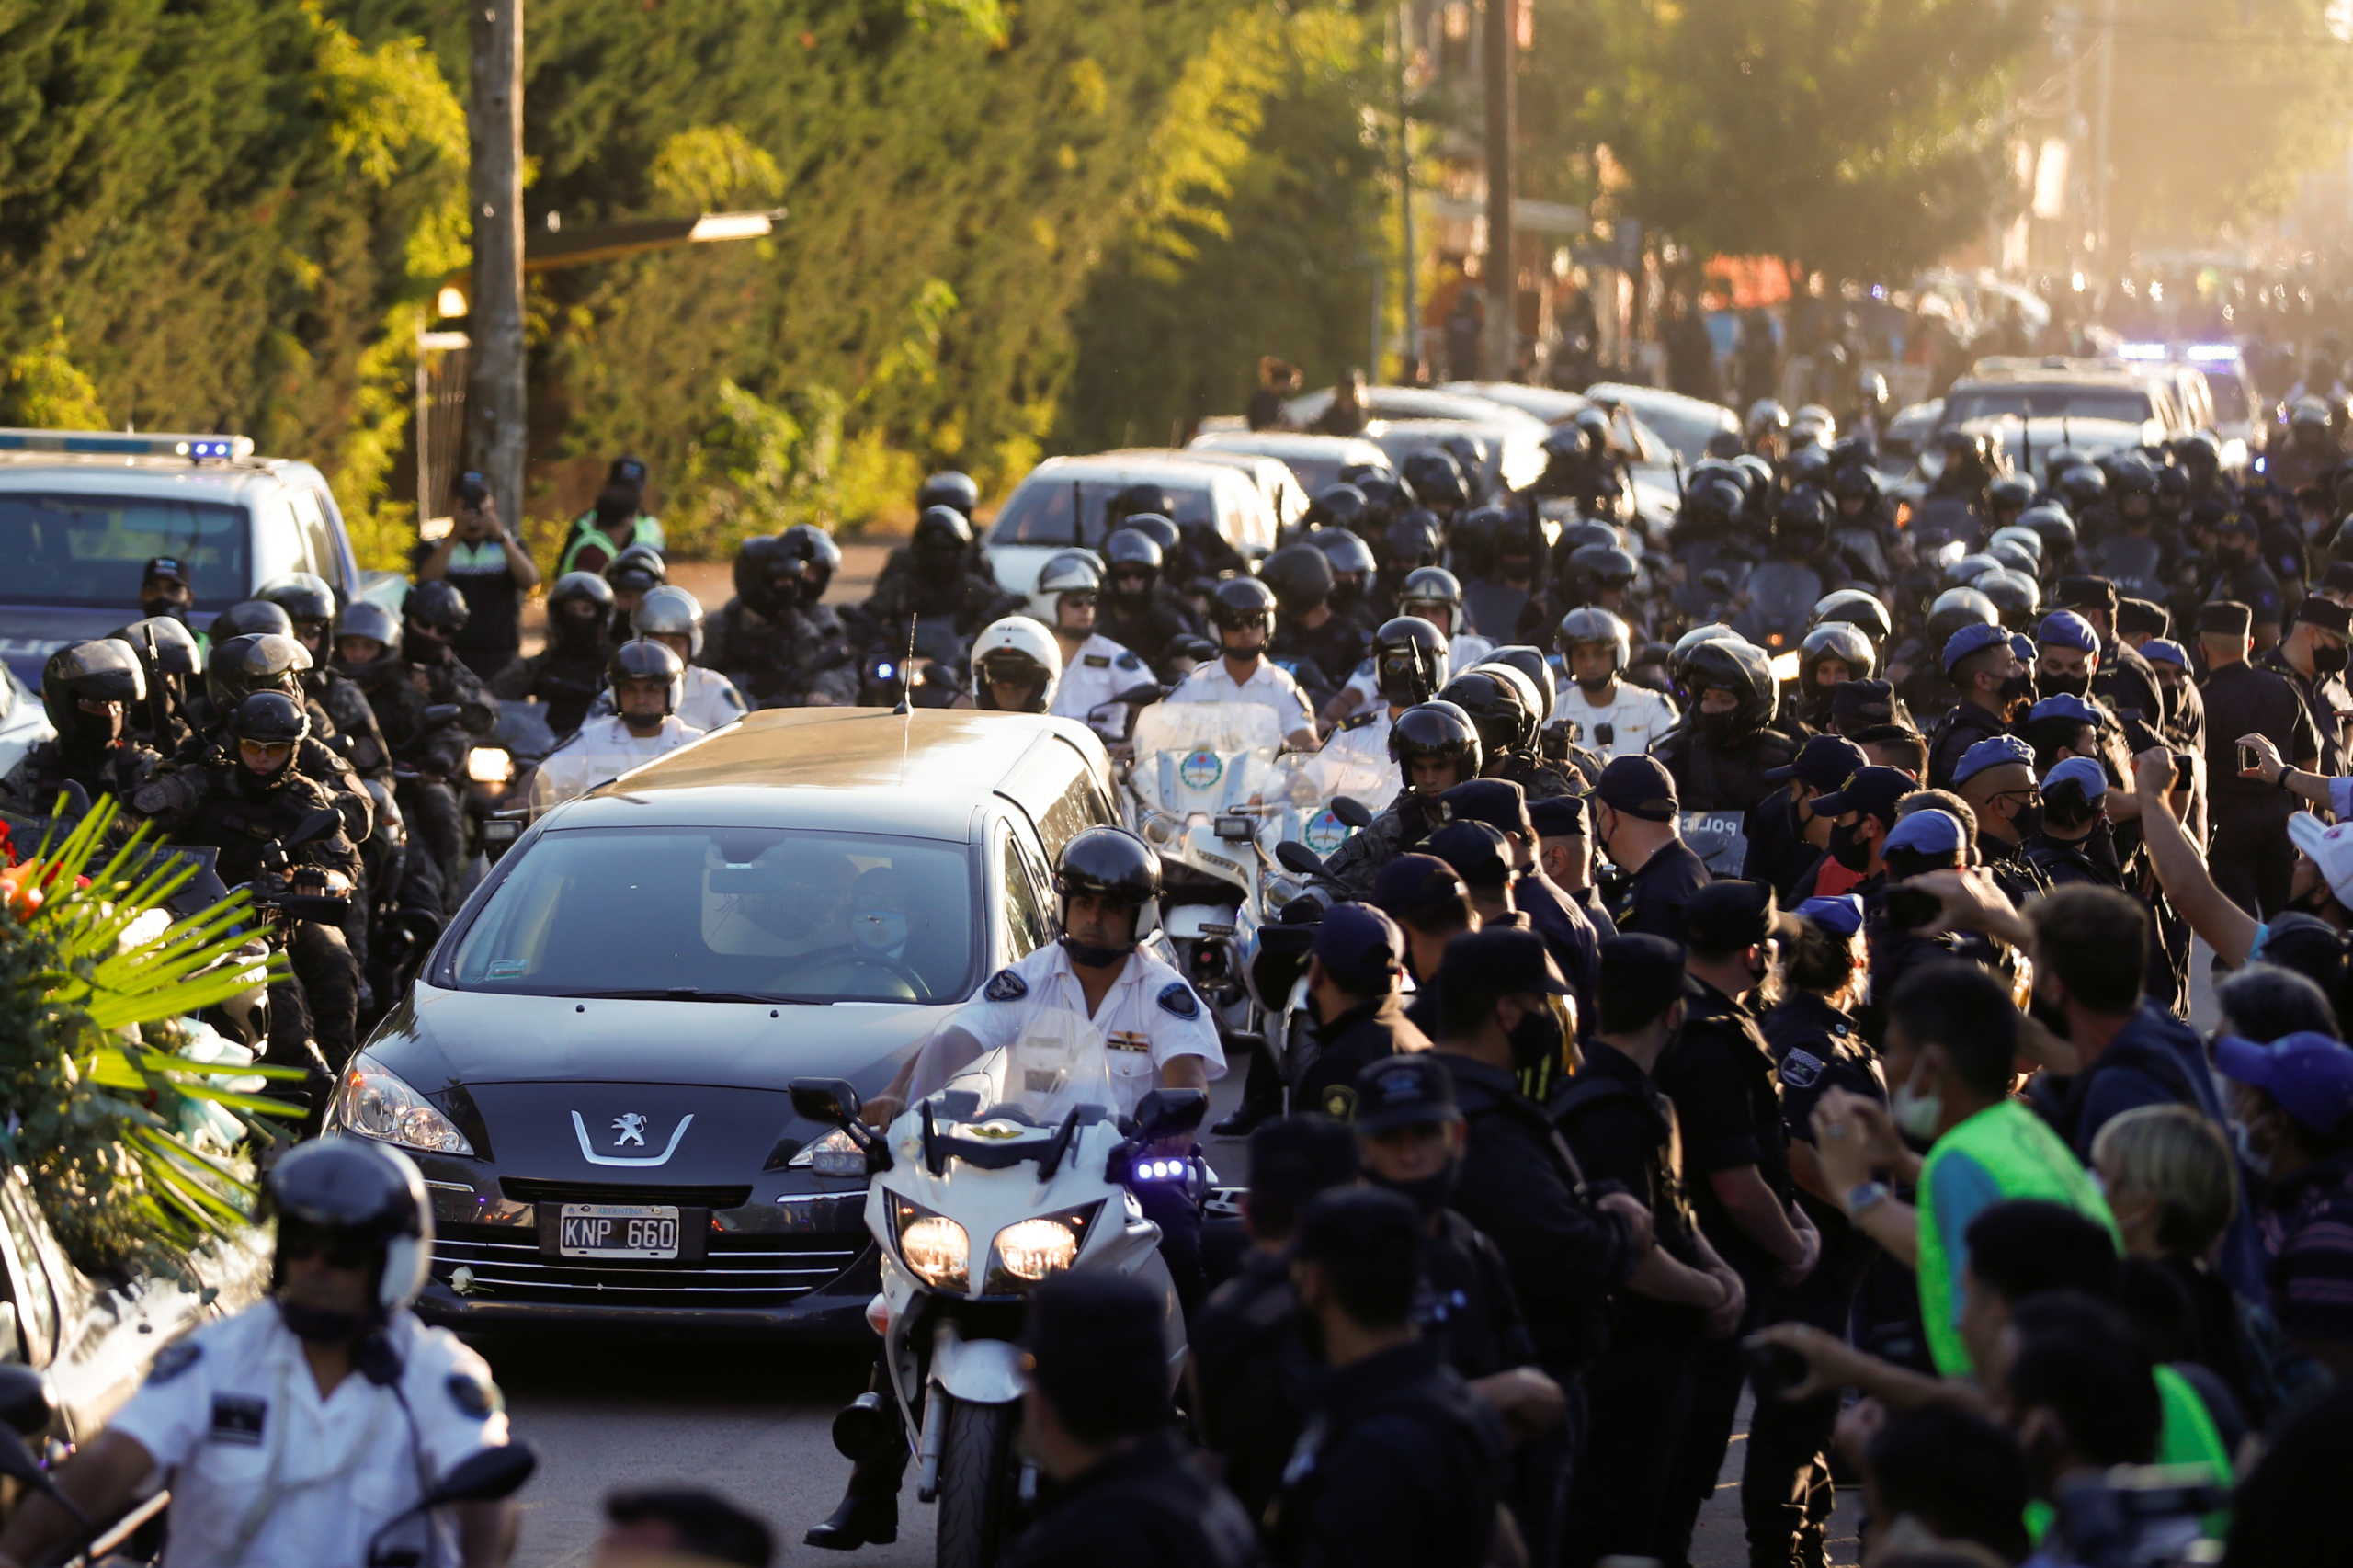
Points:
(2140, 351)
(2214, 353)
(128, 444)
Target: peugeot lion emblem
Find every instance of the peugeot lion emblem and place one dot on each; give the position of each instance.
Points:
(629, 1128)
(629, 1131)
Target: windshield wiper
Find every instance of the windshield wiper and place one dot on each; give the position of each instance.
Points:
(686, 993)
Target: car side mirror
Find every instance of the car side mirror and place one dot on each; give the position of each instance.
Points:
(828, 1101)
(1351, 812)
(1166, 1113)
(27, 1405)
(1295, 856)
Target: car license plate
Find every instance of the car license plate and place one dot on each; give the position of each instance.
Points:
(618, 1230)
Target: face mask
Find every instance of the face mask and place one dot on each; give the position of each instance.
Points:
(1431, 1193)
(316, 1326)
(1915, 1116)
(1717, 728)
(2253, 1158)
(1847, 850)
(2018, 689)
(2028, 821)
(2065, 685)
(172, 607)
(2330, 661)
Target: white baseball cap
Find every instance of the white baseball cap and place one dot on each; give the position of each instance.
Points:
(2331, 849)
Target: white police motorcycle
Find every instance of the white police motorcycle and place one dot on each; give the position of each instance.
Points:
(1005, 1168)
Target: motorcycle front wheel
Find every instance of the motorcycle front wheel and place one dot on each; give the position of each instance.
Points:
(979, 1493)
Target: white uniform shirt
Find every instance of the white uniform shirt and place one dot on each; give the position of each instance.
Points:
(1635, 716)
(1364, 686)
(601, 749)
(1364, 738)
(1270, 686)
(1149, 1018)
(266, 1474)
(1101, 671)
(710, 700)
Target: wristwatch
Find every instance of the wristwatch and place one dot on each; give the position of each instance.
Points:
(1866, 1196)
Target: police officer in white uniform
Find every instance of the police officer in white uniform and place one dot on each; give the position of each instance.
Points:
(1242, 611)
(1614, 717)
(1016, 667)
(1097, 672)
(672, 617)
(1408, 666)
(295, 1431)
(1431, 594)
(647, 681)
(1157, 1034)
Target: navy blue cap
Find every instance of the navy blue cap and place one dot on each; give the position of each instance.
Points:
(1824, 763)
(1498, 803)
(1643, 970)
(2065, 629)
(165, 566)
(1414, 885)
(2309, 1075)
(2023, 646)
(1361, 946)
(470, 488)
(2061, 705)
(2166, 650)
(1476, 851)
(1930, 835)
(1558, 816)
(1292, 1158)
(1841, 916)
(2083, 773)
(1974, 638)
(1871, 790)
(1729, 914)
(1413, 1090)
(1640, 786)
(1502, 960)
(2225, 617)
(1995, 751)
(1857, 704)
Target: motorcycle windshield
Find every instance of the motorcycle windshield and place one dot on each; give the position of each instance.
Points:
(1196, 757)
(1298, 791)
(1057, 1063)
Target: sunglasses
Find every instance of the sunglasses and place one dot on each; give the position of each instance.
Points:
(298, 1240)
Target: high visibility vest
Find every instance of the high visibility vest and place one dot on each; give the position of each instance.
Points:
(2186, 1436)
(2026, 1159)
(585, 532)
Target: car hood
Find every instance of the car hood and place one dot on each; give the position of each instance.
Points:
(31, 634)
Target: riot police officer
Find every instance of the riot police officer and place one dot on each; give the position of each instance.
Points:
(1138, 610)
(566, 676)
(352, 729)
(267, 662)
(1407, 666)
(774, 640)
(635, 573)
(431, 751)
(1505, 705)
(170, 660)
(1321, 649)
(936, 575)
(89, 689)
(275, 1461)
(647, 681)
(1435, 746)
(1721, 752)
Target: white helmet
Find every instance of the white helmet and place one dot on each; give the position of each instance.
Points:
(1023, 649)
(670, 611)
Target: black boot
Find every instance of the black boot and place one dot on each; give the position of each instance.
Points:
(869, 1436)
(858, 1521)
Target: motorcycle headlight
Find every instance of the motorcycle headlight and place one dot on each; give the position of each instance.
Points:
(835, 1154)
(933, 1245)
(375, 1103)
(1162, 828)
(490, 765)
(1030, 1250)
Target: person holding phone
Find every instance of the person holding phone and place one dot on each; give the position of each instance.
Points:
(491, 570)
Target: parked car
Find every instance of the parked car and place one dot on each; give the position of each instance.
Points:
(1067, 501)
(1316, 460)
(23, 722)
(592, 1068)
(1684, 423)
(82, 512)
(1411, 403)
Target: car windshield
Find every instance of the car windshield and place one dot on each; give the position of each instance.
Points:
(762, 915)
(2058, 402)
(2231, 405)
(1039, 511)
(89, 549)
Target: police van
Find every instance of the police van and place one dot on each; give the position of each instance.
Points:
(82, 513)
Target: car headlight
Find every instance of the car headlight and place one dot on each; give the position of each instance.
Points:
(376, 1104)
(835, 1154)
(490, 765)
(1030, 1250)
(933, 1245)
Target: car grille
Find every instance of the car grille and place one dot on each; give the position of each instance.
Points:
(523, 1190)
(741, 1270)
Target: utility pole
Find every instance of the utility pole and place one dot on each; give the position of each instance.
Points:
(1502, 330)
(1411, 293)
(495, 389)
(2103, 114)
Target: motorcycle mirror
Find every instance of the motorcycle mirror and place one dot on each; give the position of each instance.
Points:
(1293, 856)
(1165, 1113)
(829, 1100)
(27, 1403)
(486, 1476)
(1351, 812)
(443, 714)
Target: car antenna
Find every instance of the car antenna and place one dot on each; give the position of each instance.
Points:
(907, 672)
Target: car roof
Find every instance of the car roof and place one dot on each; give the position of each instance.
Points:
(919, 775)
(1550, 405)
(2055, 371)
(1634, 397)
(1139, 465)
(81, 474)
(1282, 443)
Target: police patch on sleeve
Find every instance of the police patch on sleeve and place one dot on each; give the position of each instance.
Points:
(1006, 986)
(472, 1395)
(1177, 997)
(1130, 661)
(1340, 1103)
(174, 1359)
(1800, 1069)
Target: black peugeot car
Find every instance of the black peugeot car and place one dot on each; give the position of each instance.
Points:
(592, 1070)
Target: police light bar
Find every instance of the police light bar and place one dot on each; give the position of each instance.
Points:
(2140, 351)
(119, 444)
(2214, 353)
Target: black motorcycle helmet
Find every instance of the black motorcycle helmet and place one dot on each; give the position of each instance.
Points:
(350, 1193)
(2056, 529)
(2082, 487)
(1591, 623)
(1340, 506)
(948, 488)
(1952, 609)
(812, 551)
(2009, 494)
(1803, 516)
(1964, 572)
(100, 671)
(1157, 526)
(1140, 501)
(364, 618)
(2016, 557)
(639, 569)
(943, 539)
(1441, 730)
(1711, 505)
(2198, 456)
(1679, 657)
(1595, 568)
(175, 659)
(1809, 465)
(270, 719)
(1856, 482)
(1438, 481)
(1528, 660)
(1857, 608)
(2172, 492)
(2131, 474)
(1497, 707)
(243, 666)
(586, 631)
(2016, 596)
(641, 658)
(1384, 497)
(1472, 542)
(1836, 639)
(1429, 588)
(250, 618)
(1412, 541)
(435, 612)
(1239, 603)
(1111, 863)
(1409, 660)
(756, 574)
(1301, 578)
(1589, 530)
(1741, 668)
(1347, 553)
(1132, 562)
(307, 600)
